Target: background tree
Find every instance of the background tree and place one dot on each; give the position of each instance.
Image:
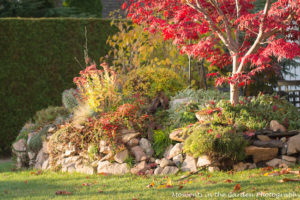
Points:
(215, 25)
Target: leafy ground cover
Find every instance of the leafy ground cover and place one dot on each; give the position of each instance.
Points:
(250, 184)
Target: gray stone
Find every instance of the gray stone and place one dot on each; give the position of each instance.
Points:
(158, 170)
(138, 153)
(40, 159)
(46, 147)
(276, 162)
(263, 138)
(240, 166)
(112, 168)
(289, 158)
(142, 167)
(167, 151)
(104, 147)
(121, 156)
(157, 161)
(276, 126)
(85, 169)
(283, 139)
(178, 160)
(20, 145)
(189, 164)
(177, 149)
(45, 165)
(284, 149)
(165, 162)
(169, 170)
(293, 145)
(133, 142)
(203, 161)
(177, 135)
(31, 155)
(213, 169)
(146, 146)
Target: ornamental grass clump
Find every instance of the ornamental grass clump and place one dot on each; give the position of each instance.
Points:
(99, 88)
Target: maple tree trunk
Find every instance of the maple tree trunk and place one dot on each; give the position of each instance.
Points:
(234, 94)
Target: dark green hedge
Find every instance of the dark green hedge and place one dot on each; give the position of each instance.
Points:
(37, 63)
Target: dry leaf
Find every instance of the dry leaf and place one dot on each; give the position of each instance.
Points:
(161, 186)
(86, 184)
(180, 187)
(150, 185)
(63, 192)
(228, 181)
(237, 187)
(266, 169)
(289, 180)
(100, 191)
(25, 181)
(211, 182)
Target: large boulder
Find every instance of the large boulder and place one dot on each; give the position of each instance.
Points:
(167, 151)
(177, 149)
(138, 153)
(178, 160)
(189, 164)
(141, 167)
(121, 156)
(85, 169)
(260, 153)
(20, 145)
(40, 159)
(169, 170)
(293, 145)
(146, 146)
(165, 162)
(276, 162)
(203, 161)
(112, 168)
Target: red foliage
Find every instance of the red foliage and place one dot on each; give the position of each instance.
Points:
(203, 28)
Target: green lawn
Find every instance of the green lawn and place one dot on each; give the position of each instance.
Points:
(31, 185)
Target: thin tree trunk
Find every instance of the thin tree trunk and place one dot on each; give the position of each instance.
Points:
(234, 94)
(204, 74)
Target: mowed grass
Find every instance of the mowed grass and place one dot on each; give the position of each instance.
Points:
(29, 184)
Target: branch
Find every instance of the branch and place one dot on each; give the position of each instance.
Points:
(200, 9)
(226, 22)
(259, 37)
(238, 10)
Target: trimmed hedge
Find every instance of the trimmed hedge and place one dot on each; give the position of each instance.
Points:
(37, 63)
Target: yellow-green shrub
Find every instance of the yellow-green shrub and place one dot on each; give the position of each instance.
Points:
(148, 81)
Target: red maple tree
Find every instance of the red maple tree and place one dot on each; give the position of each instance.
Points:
(226, 32)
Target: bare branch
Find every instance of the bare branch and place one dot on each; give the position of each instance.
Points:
(213, 26)
(238, 10)
(259, 37)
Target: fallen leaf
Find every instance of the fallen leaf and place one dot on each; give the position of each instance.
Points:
(86, 184)
(230, 172)
(237, 187)
(5, 191)
(289, 180)
(228, 181)
(161, 186)
(87, 177)
(103, 174)
(100, 191)
(63, 192)
(150, 185)
(266, 169)
(25, 181)
(169, 183)
(180, 187)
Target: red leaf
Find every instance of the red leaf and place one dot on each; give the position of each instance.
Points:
(237, 187)
(63, 192)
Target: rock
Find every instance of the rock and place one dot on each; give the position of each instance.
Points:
(149, 172)
(263, 138)
(213, 169)
(40, 159)
(20, 145)
(169, 170)
(69, 152)
(104, 147)
(276, 126)
(69, 160)
(203, 161)
(45, 165)
(165, 162)
(128, 136)
(138, 153)
(31, 155)
(112, 168)
(177, 135)
(276, 162)
(167, 151)
(133, 142)
(283, 139)
(69, 168)
(189, 164)
(240, 166)
(107, 156)
(121, 156)
(289, 158)
(270, 143)
(46, 147)
(140, 168)
(178, 160)
(146, 146)
(177, 149)
(298, 160)
(152, 160)
(158, 170)
(157, 161)
(260, 153)
(284, 149)
(21, 160)
(293, 145)
(85, 169)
